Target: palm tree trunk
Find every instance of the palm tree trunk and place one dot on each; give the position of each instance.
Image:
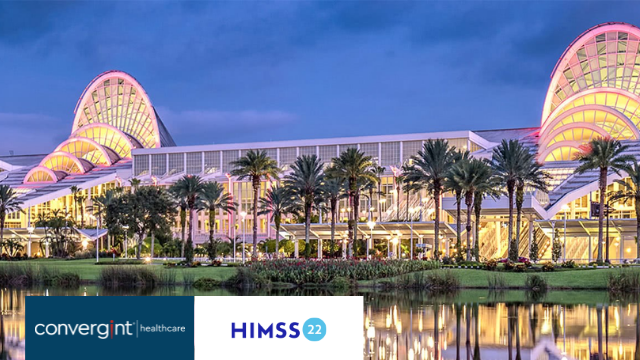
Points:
(637, 230)
(397, 200)
(476, 239)
(277, 224)
(82, 214)
(436, 226)
(212, 219)
(183, 225)
(333, 225)
(379, 204)
(406, 201)
(256, 194)
(307, 227)
(189, 247)
(469, 202)
(599, 315)
(458, 225)
(603, 186)
(476, 326)
(519, 201)
(510, 236)
(2, 220)
(356, 217)
(153, 240)
(140, 239)
(510, 331)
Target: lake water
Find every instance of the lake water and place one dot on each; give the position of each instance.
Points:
(473, 324)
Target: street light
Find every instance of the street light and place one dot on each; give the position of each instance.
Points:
(243, 214)
(30, 230)
(126, 238)
(371, 225)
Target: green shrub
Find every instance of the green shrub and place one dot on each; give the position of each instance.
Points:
(206, 284)
(442, 280)
(491, 264)
(509, 265)
(128, 276)
(569, 264)
(247, 278)
(66, 279)
(535, 283)
(340, 282)
(497, 281)
(624, 280)
(520, 267)
(548, 266)
(322, 272)
(188, 278)
(122, 262)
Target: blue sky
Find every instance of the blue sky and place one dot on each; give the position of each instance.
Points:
(220, 72)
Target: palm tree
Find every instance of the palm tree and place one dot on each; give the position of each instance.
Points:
(255, 166)
(333, 191)
(469, 176)
(135, 183)
(532, 176)
(213, 198)
(398, 179)
(305, 184)
(102, 208)
(429, 169)
(509, 162)
(278, 203)
(80, 199)
(189, 188)
(9, 203)
(603, 154)
(490, 187)
(355, 167)
(451, 184)
(630, 192)
(74, 194)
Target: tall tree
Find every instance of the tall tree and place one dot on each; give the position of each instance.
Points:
(429, 169)
(212, 199)
(9, 203)
(355, 167)
(159, 207)
(277, 203)
(74, 195)
(305, 183)
(255, 166)
(333, 190)
(532, 176)
(509, 162)
(103, 207)
(189, 188)
(630, 192)
(469, 176)
(451, 184)
(604, 155)
(488, 188)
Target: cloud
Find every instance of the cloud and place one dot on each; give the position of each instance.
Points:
(30, 133)
(198, 127)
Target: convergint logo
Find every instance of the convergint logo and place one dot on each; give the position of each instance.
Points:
(314, 329)
(104, 331)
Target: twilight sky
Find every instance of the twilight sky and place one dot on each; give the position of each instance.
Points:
(220, 72)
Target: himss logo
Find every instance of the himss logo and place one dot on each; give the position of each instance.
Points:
(313, 329)
(104, 331)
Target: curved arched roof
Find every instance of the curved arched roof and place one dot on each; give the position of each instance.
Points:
(113, 116)
(116, 98)
(596, 82)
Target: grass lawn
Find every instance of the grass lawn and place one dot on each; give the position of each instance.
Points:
(564, 279)
(88, 271)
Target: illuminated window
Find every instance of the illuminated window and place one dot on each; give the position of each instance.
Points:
(176, 163)
(194, 163)
(158, 164)
(211, 162)
(141, 165)
(390, 153)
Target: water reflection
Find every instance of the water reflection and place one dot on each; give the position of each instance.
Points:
(411, 325)
(476, 327)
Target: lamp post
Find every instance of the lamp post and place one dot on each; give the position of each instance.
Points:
(126, 237)
(30, 230)
(371, 225)
(243, 214)
(565, 208)
(97, 239)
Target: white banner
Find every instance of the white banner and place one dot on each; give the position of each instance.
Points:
(278, 327)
